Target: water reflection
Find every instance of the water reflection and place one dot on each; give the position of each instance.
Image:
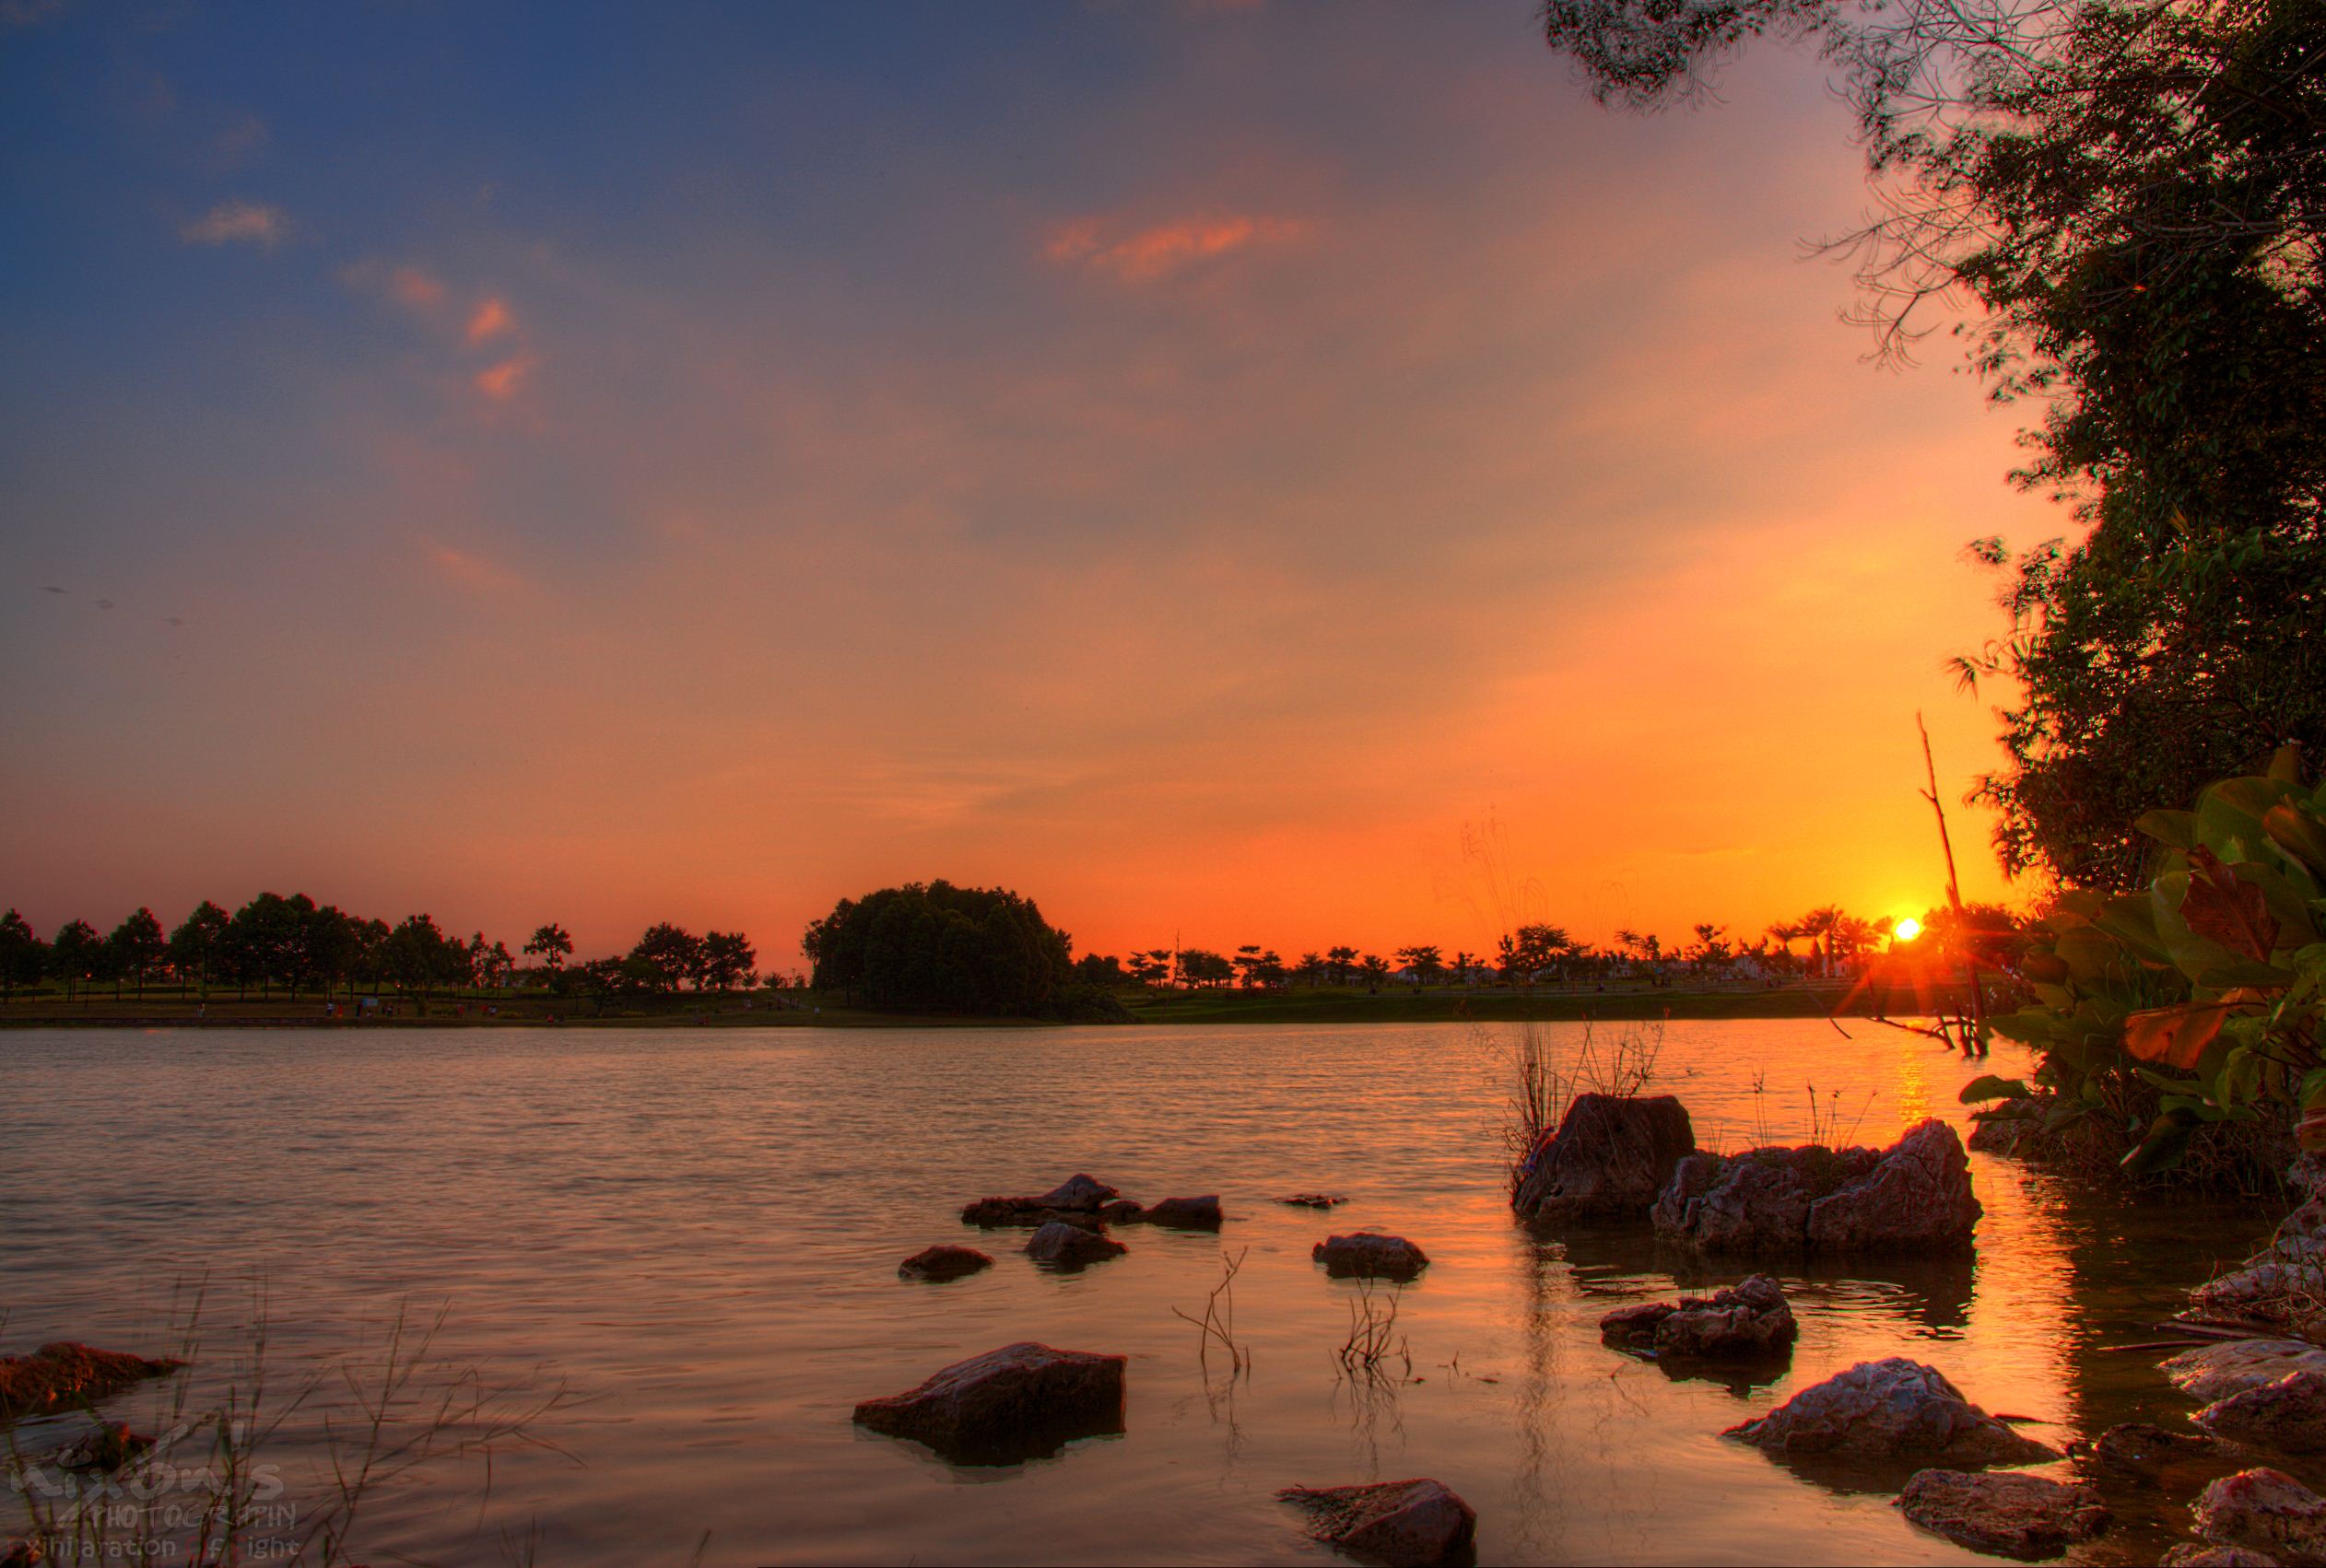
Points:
(703, 1233)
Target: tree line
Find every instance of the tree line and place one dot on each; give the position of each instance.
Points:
(293, 945)
(1840, 942)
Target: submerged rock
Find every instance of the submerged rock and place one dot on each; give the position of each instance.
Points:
(1913, 1196)
(1610, 1157)
(65, 1374)
(2018, 1515)
(1886, 1410)
(2140, 1452)
(2265, 1511)
(2288, 1413)
(1018, 1402)
(2215, 1372)
(1071, 1247)
(1314, 1200)
(1025, 1213)
(1182, 1213)
(1403, 1524)
(1084, 1192)
(108, 1448)
(1077, 1201)
(943, 1263)
(1369, 1256)
(1752, 1319)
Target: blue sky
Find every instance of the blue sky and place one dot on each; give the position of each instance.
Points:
(615, 464)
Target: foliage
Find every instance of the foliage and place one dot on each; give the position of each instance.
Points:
(2196, 1000)
(934, 947)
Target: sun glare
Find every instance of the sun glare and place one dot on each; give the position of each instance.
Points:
(1908, 929)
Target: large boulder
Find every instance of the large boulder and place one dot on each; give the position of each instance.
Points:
(1403, 1523)
(1182, 1213)
(1071, 1247)
(1890, 1410)
(65, 1375)
(2016, 1515)
(1019, 1402)
(1916, 1199)
(2264, 1511)
(1369, 1256)
(943, 1263)
(1748, 1321)
(1913, 1198)
(2289, 1414)
(2215, 1372)
(1609, 1158)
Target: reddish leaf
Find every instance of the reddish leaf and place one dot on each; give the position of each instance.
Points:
(2221, 908)
(2175, 1035)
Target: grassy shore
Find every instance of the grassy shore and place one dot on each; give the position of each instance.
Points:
(159, 1010)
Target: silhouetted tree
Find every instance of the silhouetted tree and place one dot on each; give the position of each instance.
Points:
(552, 945)
(137, 945)
(936, 947)
(24, 957)
(727, 958)
(74, 955)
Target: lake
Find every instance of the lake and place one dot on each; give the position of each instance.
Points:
(697, 1233)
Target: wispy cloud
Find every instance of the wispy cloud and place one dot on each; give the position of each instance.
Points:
(489, 320)
(236, 223)
(465, 568)
(1156, 252)
(504, 381)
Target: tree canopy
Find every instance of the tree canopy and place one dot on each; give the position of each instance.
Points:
(937, 948)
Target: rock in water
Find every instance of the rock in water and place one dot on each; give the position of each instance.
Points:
(2215, 1372)
(1404, 1524)
(108, 1448)
(1078, 1200)
(2015, 1514)
(1913, 1196)
(1071, 1247)
(2191, 1555)
(2265, 1511)
(1916, 1199)
(1083, 1192)
(1314, 1200)
(2289, 1414)
(1609, 1158)
(65, 1375)
(1019, 1402)
(1183, 1213)
(1367, 1255)
(2140, 1452)
(1749, 1320)
(943, 1263)
(1890, 1409)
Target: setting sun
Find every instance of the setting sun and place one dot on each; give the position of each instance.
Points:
(1908, 929)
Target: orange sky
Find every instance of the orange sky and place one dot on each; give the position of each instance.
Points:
(1189, 491)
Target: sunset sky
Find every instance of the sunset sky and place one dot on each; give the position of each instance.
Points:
(1183, 461)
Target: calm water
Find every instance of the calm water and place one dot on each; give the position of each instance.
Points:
(699, 1230)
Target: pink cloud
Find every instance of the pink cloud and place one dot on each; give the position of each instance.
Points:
(502, 381)
(411, 286)
(465, 568)
(230, 223)
(489, 321)
(1144, 255)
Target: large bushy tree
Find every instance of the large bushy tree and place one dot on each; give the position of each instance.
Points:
(934, 947)
(2129, 195)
